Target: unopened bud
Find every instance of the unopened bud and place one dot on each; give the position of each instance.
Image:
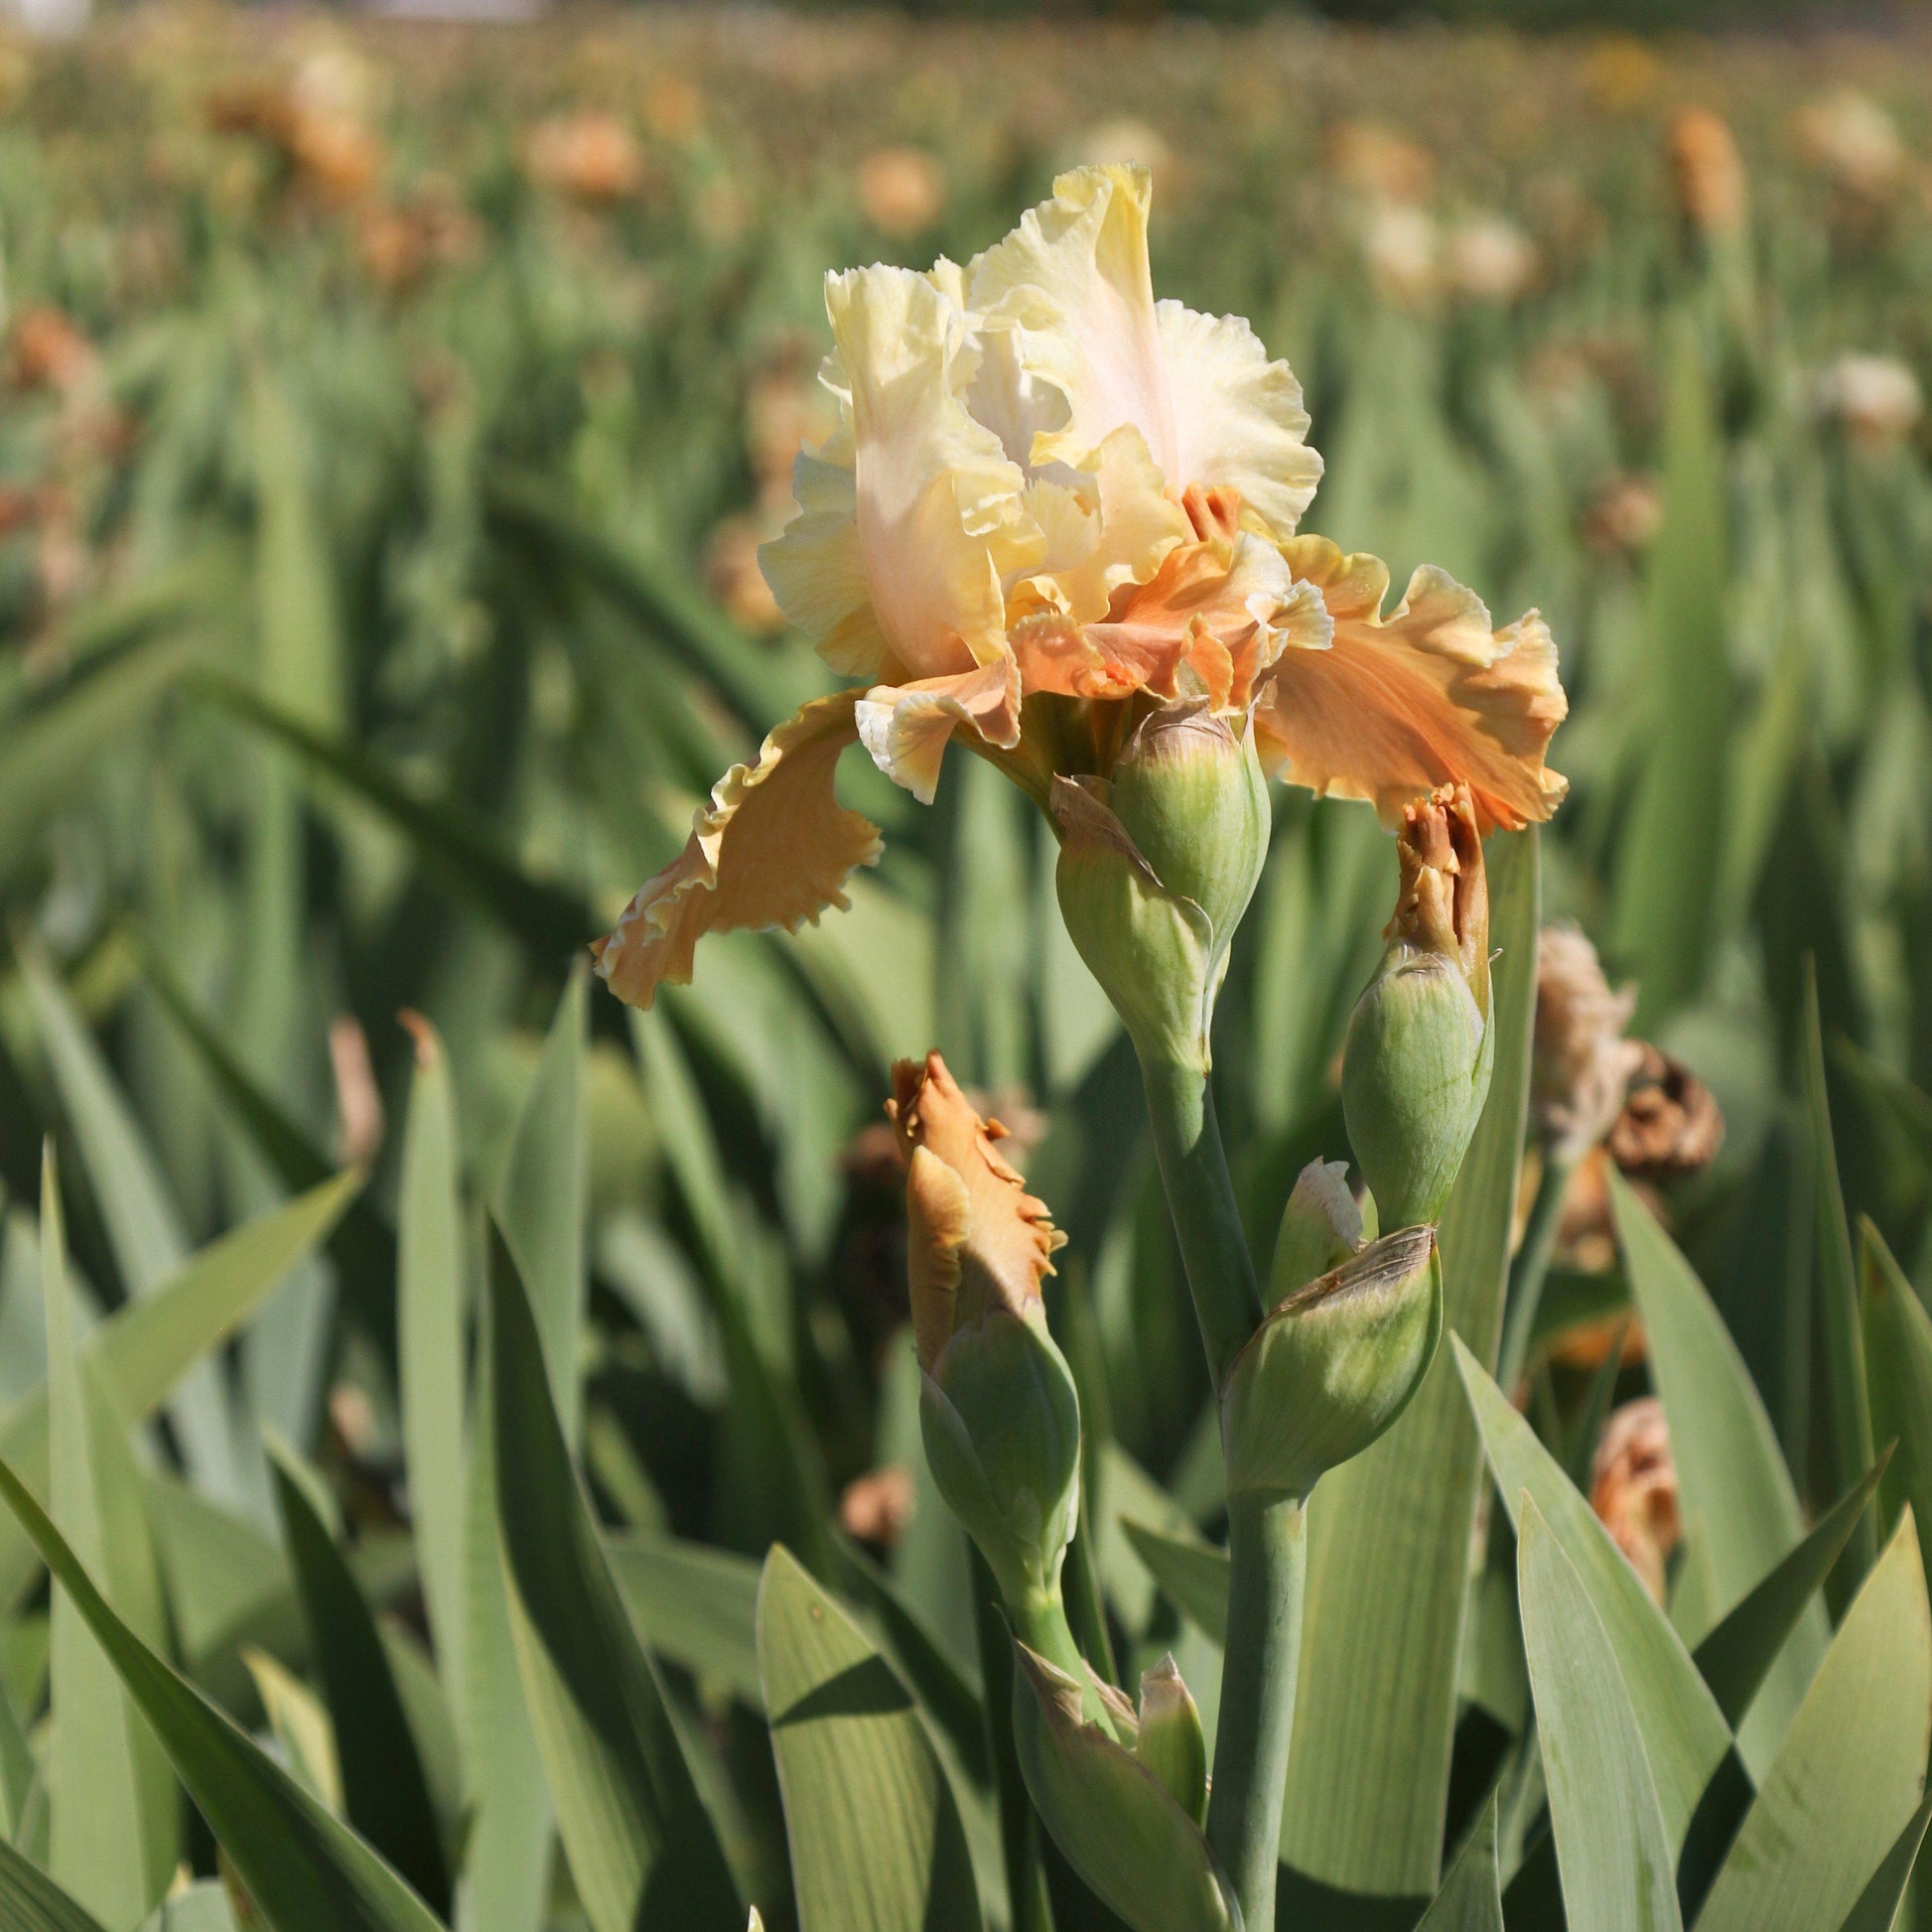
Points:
(1333, 1367)
(1140, 1848)
(1158, 864)
(1170, 1743)
(1415, 1067)
(1320, 1228)
(998, 1411)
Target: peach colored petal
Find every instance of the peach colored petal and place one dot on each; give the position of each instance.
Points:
(974, 1229)
(774, 848)
(1428, 696)
(906, 727)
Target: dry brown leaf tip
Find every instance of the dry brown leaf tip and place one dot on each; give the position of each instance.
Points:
(977, 1240)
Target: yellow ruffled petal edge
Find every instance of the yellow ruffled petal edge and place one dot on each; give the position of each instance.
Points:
(1428, 696)
(774, 848)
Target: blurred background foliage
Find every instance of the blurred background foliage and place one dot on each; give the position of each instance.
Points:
(391, 414)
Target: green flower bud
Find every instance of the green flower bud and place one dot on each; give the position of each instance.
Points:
(1158, 864)
(1140, 1848)
(1320, 1228)
(998, 1410)
(1170, 1743)
(1330, 1368)
(1415, 1070)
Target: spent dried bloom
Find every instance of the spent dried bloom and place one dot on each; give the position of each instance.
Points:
(1488, 258)
(1670, 1125)
(1372, 160)
(876, 1507)
(44, 350)
(1876, 399)
(734, 579)
(1624, 514)
(1848, 137)
(1051, 505)
(1633, 1489)
(1708, 173)
(976, 1239)
(1583, 1065)
(358, 1100)
(901, 191)
(589, 157)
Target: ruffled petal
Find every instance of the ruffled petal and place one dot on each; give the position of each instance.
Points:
(1238, 418)
(1429, 696)
(1091, 552)
(1216, 613)
(906, 727)
(817, 571)
(774, 848)
(1072, 281)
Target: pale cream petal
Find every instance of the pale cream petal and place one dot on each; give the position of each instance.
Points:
(937, 504)
(906, 727)
(772, 848)
(1238, 418)
(817, 572)
(1121, 542)
(1428, 696)
(1073, 281)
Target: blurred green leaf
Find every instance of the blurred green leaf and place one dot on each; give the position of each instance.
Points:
(1879, 1903)
(877, 1844)
(1472, 1899)
(30, 1901)
(637, 1834)
(1852, 1768)
(1612, 1846)
(385, 1791)
(1898, 1352)
(1192, 1571)
(1667, 871)
(695, 1605)
(112, 1823)
(305, 1870)
(1389, 1532)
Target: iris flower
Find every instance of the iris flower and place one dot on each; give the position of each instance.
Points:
(1051, 505)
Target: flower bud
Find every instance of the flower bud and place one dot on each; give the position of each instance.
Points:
(1116, 1818)
(1170, 1743)
(1415, 1066)
(1158, 864)
(1320, 1228)
(998, 1411)
(1330, 1368)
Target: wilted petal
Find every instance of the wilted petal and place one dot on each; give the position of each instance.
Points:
(1238, 417)
(1073, 278)
(1428, 696)
(906, 727)
(774, 848)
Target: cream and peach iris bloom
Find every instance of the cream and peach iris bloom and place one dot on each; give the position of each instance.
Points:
(1047, 489)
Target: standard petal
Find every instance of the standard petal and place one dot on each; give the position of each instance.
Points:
(774, 848)
(1073, 280)
(1429, 696)
(1238, 418)
(817, 571)
(936, 502)
(906, 727)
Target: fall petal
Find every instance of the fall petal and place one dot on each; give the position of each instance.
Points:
(772, 848)
(906, 727)
(1238, 417)
(1429, 696)
(817, 570)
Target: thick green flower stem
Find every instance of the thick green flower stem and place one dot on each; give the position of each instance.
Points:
(1268, 1549)
(1531, 1265)
(1201, 1197)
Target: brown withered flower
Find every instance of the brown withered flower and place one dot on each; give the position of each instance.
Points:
(876, 1507)
(1583, 1065)
(1633, 1489)
(976, 1239)
(44, 350)
(1671, 1123)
